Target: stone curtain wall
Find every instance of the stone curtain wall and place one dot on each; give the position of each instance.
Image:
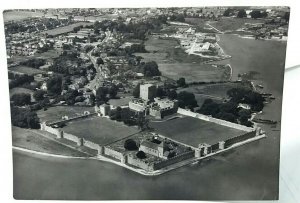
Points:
(112, 153)
(139, 163)
(240, 138)
(214, 120)
(71, 119)
(174, 160)
(61, 134)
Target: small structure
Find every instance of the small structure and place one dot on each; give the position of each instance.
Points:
(153, 148)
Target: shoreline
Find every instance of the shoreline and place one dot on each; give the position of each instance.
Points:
(141, 171)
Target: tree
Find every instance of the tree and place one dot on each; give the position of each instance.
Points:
(160, 92)
(24, 118)
(21, 99)
(141, 155)
(54, 85)
(172, 94)
(150, 69)
(242, 14)
(181, 82)
(38, 95)
(209, 107)
(101, 95)
(187, 99)
(227, 12)
(130, 145)
(99, 61)
(256, 14)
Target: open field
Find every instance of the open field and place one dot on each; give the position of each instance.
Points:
(56, 112)
(230, 24)
(19, 90)
(192, 72)
(200, 25)
(29, 140)
(26, 70)
(215, 90)
(174, 63)
(120, 102)
(99, 130)
(20, 15)
(195, 131)
(65, 29)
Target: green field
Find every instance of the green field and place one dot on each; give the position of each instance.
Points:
(230, 24)
(174, 63)
(99, 130)
(26, 70)
(193, 131)
(19, 90)
(55, 113)
(20, 15)
(65, 29)
(28, 139)
(192, 72)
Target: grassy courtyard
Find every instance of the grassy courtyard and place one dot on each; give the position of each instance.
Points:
(193, 131)
(99, 130)
(56, 112)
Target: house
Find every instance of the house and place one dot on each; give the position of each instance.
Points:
(154, 148)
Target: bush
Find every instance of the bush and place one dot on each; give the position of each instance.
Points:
(21, 99)
(141, 155)
(130, 144)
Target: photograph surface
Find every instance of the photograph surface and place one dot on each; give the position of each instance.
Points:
(146, 103)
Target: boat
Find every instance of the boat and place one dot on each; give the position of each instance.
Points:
(260, 86)
(266, 121)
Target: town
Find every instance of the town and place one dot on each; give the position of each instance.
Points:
(148, 89)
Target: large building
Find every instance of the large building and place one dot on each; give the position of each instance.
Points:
(147, 91)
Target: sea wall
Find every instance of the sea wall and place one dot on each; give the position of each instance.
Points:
(78, 140)
(214, 120)
(139, 163)
(239, 138)
(73, 138)
(176, 159)
(112, 153)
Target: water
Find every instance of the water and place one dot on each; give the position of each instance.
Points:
(248, 172)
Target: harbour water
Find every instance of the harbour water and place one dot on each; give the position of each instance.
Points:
(249, 172)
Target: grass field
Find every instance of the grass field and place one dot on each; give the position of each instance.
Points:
(217, 90)
(65, 29)
(193, 131)
(26, 70)
(29, 140)
(120, 102)
(174, 63)
(229, 24)
(55, 113)
(192, 72)
(18, 90)
(20, 15)
(99, 130)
